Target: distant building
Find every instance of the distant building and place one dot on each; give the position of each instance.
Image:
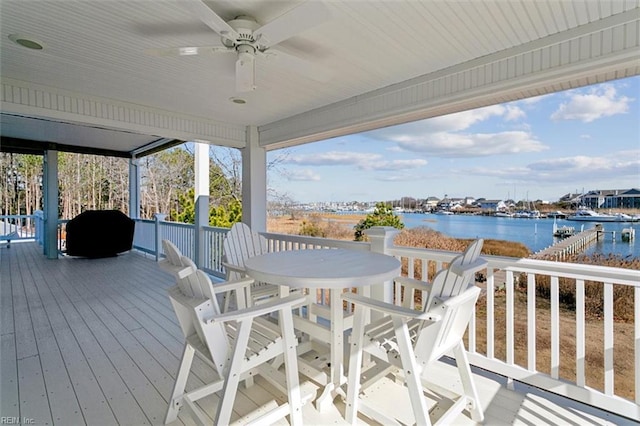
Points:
(430, 204)
(571, 199)
(493, 205)
(612, 199)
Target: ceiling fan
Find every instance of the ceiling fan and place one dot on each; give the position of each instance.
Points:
(245, 37)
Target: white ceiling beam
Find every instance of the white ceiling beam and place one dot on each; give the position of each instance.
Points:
(30, 100)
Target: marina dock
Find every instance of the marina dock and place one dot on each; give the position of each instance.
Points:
(572, 245)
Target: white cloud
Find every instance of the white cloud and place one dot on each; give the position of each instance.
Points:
(514, 113)
(445, 137)
(446, 123)
(363, 161)
(622, 166)
(599, 101)
(460, 145)
(396, 164)
(302, 175)
(397, 178)
(333, 158)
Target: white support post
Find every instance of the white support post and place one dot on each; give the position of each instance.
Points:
(381, 238)
(134, 188)
(201, 168)
(254, 182)
(51, 204)
(159, 217)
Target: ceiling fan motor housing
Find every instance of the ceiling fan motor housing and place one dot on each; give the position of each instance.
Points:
(244, 27)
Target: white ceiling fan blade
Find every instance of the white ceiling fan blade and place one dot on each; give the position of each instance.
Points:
(301, 66)
(187, 50)
(211, 19)
(307, 15)
(245, 72)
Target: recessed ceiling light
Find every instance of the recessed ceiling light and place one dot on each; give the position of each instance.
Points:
(238, 101)
(25, 41)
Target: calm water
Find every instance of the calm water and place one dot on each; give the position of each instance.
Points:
(536, 234)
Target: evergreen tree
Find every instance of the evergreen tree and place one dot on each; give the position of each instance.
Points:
(382, 215)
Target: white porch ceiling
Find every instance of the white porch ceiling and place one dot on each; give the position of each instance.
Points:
(390, 61)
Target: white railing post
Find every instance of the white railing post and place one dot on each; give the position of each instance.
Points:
(381, 238)
(39, 225)
(159, 217)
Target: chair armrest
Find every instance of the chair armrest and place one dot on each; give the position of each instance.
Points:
(277, 304)
(234, 268)
(179, 272)
(388, 308)
(475, 266)
(232, 285)
(413, 283)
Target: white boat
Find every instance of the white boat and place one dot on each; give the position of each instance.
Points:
(527, 214)
(586, 215)
(628, 234)
(563, 231)
(444, 212)
(503, 214)
(556, 215)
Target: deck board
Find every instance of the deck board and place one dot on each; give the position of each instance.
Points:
(9, 404)
(97, 342)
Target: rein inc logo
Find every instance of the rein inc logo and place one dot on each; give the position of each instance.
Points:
(14, 420)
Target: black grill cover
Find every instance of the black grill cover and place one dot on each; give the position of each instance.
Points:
(99, 233)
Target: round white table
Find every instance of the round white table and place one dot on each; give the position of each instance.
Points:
(332, 269)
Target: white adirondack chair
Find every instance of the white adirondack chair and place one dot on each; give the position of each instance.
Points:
(240, 244)
(237, 344)
(172, 262)
(408, 342)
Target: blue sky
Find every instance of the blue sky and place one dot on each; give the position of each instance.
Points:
(543, 147)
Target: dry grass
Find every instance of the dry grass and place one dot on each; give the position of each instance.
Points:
(339, 227)
(623, 356)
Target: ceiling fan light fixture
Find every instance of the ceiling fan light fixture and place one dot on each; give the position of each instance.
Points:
(245, 71)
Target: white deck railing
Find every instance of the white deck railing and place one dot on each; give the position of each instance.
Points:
(511, 272)
(18, 226)
(213, 238)
(573, 387)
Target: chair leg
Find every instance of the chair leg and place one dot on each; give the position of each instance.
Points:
(175, 402)
(291, 366)
(468, 384)
(411, 372)
(355, 365)
(232, 377)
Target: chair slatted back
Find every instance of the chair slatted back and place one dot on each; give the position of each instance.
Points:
(453, 296)
(240, 244)
(194, 301)
(439, 338)
(457, 276)
(172, 252)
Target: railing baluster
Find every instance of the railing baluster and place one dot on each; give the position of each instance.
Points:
(510, 319)
(608, 339)
(555, 328)
(490, 313)
(410, 267)
(580, 334)
(531, 322)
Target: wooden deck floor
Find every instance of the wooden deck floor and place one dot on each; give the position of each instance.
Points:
(96, 342)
